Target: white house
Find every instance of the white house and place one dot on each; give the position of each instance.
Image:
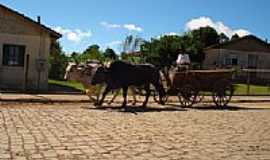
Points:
(25, 46)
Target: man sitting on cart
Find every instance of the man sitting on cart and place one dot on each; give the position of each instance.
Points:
(183, 62)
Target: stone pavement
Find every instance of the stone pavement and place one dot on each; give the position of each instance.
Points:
(14, 97)
(69, 98)
(80, 131)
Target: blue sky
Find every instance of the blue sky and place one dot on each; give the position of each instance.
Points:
(108, 22)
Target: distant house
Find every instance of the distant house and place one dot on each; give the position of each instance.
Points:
(134, 54)
(25, 46)
(246, 52)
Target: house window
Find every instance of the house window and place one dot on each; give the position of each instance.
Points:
(231, 60)
(252, 61)
(13, 55)
(234, 61)
(228, 61)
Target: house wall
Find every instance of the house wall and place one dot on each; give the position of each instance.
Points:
(212, 59)
(216, 58)
(15, 30)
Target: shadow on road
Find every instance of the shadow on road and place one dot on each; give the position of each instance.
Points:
(227, 108)
(170, 107)
(137, 109)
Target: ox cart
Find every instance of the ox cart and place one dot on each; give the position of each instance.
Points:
(190, 86)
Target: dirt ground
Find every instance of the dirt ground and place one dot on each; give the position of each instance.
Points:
(81, 131)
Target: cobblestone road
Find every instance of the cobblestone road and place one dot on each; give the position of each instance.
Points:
(78, 131)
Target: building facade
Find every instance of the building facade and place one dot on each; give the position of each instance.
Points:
(24, 51)
(248, 52)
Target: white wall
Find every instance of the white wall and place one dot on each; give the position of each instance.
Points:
(14, 77)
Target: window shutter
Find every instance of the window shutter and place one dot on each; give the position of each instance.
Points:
(21, 55)
(13, 55)
(5, 54)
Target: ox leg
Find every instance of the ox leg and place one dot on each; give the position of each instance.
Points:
(115, 94)
(93, 93)
(161, 92)
(148, 92)
(125, 89)
(107, 90)
(98, 91)
(133, 92)
(91, 98)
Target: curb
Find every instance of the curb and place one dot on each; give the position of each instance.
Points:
(234, 101)
(50, 101)
(250, 101)
(43, 101)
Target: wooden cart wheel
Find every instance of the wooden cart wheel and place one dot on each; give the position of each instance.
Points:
(222, 93)
(199, 98)
(187, 95)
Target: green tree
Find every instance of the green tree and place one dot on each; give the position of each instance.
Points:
(58, 62)
(235, 36)
(92, 48)
(223, 38)
(75, 57)
(195, 41)
(110, 54)
(162, 52)
(92, 52)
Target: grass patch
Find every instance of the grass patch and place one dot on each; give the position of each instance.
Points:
(71, 84)
(241, 89)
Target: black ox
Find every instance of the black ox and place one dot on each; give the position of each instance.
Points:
(122, 75)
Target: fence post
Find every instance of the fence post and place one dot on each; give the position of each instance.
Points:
(248, 82)
(268, 87)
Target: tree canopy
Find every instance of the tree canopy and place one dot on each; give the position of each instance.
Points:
(110, 54)
(163, 51)
(235, 36)
(57, 62)
(223, 38)
(93, 52)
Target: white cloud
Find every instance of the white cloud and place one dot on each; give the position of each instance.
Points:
(75, 35)
(171, 34)
(133, 27)
(242, 32)
(108, 25)
(113, 44)
(129, 27)
(218, 25)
